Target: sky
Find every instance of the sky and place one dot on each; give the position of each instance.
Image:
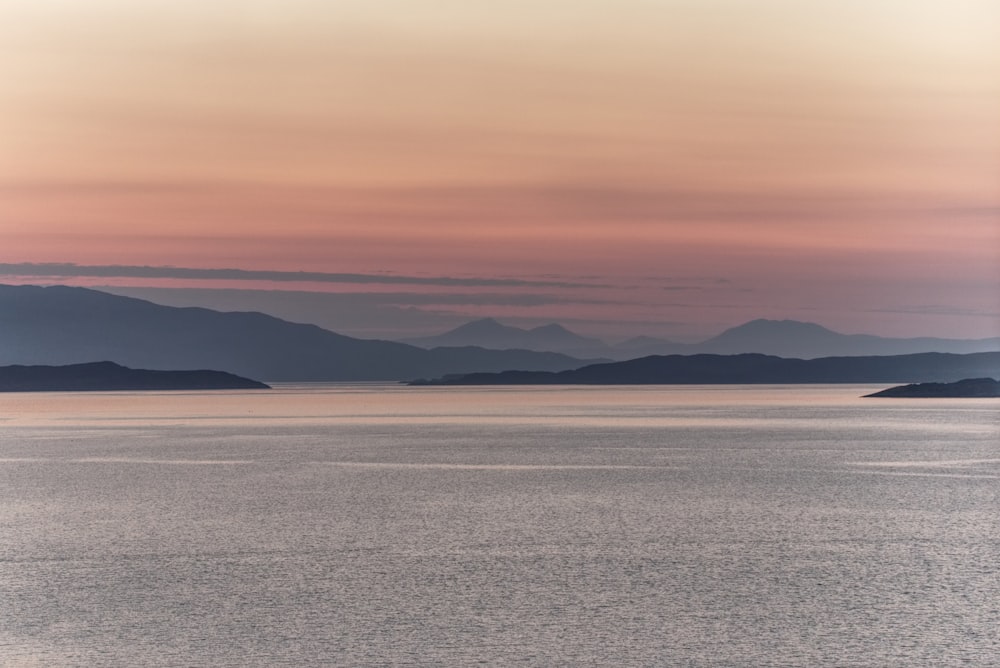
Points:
(392, 168)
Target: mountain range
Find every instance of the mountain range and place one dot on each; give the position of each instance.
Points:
(782, 338)
(488, 333)
(62, 325)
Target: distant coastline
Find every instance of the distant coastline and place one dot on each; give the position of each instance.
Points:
(108, 376)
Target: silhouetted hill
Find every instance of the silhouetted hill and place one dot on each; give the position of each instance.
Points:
(782, 338)
(643, 346)
(108, 376)
(488, 333)
(791, 338)
(753, 368)
(968, 388)
(63, 325)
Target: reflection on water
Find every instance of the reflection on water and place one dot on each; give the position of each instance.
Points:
(360, 525)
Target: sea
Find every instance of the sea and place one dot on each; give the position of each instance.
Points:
(385, 525)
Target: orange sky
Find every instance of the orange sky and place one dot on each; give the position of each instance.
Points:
(690, 164)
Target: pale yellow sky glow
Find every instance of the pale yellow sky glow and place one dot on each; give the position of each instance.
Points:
(839, 162)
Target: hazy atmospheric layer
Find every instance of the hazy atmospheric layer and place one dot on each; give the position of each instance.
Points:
(670, 168)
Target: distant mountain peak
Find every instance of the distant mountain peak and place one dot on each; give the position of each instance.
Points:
(489, 333)
(488, 325)
(765, 324)
(774, 330)
(552, 328)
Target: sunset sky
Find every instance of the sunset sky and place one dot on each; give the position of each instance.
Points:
(625, 167)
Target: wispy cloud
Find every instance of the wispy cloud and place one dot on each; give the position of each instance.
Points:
(347, 299)
(939, 309)
(66, 270)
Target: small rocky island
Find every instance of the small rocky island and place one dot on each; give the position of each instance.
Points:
(108, 376)
(970, 388)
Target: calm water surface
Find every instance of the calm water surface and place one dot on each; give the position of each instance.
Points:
(384, 525)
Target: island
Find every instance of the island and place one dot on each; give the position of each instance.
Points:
(108, 376)
(749, 368)
(969, 388)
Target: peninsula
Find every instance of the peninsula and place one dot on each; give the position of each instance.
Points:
(750, 368)
(969, 388)
(108, 376)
